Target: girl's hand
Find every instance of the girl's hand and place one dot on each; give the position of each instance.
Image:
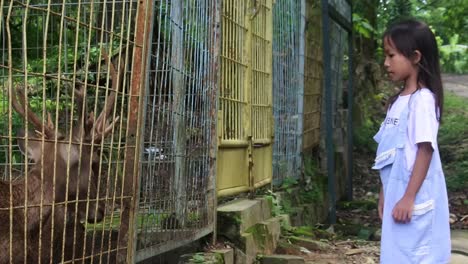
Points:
(381, 204)
(403, 210)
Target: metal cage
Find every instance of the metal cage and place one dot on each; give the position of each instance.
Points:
(68, 133)
(177, 164)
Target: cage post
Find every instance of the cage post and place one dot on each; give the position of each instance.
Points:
(127, 232)
(300, 95)
(247, 118)
(177, 62)
(215, 74)
(328, 112)
(350, 110)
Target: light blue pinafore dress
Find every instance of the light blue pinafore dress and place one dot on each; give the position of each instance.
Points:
(426, 239)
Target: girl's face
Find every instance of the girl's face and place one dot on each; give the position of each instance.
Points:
(399, 67)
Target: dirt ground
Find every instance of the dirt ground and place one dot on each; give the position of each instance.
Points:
(456, 83)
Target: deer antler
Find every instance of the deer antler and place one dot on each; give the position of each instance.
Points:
(88, 124)
(85, 123)
(102, 125)
(20, 107)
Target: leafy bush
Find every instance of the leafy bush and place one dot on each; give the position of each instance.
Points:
(452, 142)
(454, 56)
(363, 136)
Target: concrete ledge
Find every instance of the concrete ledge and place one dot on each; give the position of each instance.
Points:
(227, 254)
(239, 215)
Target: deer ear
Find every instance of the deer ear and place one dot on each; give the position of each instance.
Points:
(33, 149)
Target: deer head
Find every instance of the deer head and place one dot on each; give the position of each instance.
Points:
(69, 163)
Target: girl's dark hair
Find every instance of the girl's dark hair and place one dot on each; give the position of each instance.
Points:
(408, 36)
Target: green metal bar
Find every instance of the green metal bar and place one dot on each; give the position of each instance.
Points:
(328, 112)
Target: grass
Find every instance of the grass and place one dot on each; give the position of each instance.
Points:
(453, 143)
(144, 220)
(114, 222)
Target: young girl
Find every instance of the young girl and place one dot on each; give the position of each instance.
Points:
(413, 201)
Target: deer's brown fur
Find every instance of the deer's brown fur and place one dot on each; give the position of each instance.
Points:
(60, 178)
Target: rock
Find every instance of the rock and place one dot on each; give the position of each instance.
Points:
(288, 248)
(309, 243)
(305, 250)
(453, 218)
(377, 235)
(458, 259)
(355, 251)
(227, 254)
(365, 233)
(208, 258)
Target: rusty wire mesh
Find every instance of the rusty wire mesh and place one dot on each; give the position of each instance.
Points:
(177, 190)
(61, 199)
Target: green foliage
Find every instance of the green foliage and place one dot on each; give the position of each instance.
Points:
(454, 56)
(288, 184)
(362, 26)
(198, 258)
(448, 19)
(363, 135)
(392, 11)
(303, 231)
(453, 145)
(308, 190)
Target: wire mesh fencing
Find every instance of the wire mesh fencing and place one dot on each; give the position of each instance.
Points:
(65, 91)
(177, 191)
(288, 88)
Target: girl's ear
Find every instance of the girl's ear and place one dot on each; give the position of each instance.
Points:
(416, 58)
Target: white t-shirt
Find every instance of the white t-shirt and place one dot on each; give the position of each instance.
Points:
(422, 122)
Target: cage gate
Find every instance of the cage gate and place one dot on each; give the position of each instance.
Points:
(245, 119)
(68, 129)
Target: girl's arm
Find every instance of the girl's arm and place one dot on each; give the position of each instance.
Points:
(403, 210)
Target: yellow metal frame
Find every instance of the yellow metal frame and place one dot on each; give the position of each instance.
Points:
(245, 118)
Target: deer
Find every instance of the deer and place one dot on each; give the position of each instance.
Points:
(64, 173)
